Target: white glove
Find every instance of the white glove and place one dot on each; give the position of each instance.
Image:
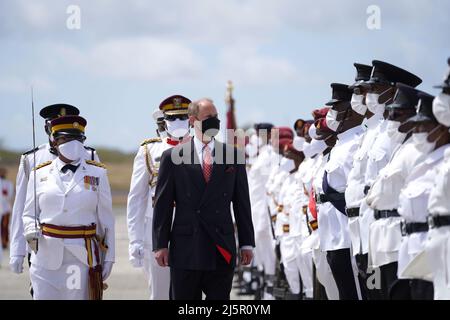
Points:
(16, 264)
(32, 238)
(136, 251)
(107, 267)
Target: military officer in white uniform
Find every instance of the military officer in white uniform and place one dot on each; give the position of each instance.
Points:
(257, 180)
(354, 193)
(68, 219)
(432, 139)
(385, 232)
(437, 247)
(327, 139)
(380, 91)
(43, 153)
(142, 190)
(333, 223)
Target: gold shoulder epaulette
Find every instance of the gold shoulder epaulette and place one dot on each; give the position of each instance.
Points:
(152, 140)
(42, 165)
(95, 163)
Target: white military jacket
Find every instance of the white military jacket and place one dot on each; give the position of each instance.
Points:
(18, 245)
(85, 200)
(142, 188)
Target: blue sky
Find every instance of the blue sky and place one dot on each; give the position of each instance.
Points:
(129, 55)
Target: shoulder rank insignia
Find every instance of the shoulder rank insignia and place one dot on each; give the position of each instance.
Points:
(95, 163)
(152, 140)
(31, 151)
(42, 165)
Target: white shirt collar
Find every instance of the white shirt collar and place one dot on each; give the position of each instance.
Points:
(199, 145)
(60, 164)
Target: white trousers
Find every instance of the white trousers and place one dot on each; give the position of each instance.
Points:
(265, 253)
(324, 275)
(158, 277)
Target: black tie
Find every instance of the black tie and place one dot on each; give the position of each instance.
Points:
(70, 167)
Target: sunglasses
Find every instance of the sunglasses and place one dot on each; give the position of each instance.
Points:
(176, 117)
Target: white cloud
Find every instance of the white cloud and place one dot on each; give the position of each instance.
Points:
(16, 84)
(142, 58)
(246, 66)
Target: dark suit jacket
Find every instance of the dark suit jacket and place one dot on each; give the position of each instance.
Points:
(203, 221)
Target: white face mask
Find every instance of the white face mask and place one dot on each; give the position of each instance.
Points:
(420, 141)
(315, 147)
(287, 165)
(357, 104)
(71, 150)
(312, 131)
(392, 131)
(372, 101)
(441, 108)
(177, 128)
(299, 143)
(252, 147)
(331, 121)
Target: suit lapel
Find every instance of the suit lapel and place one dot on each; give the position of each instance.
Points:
(79, 175)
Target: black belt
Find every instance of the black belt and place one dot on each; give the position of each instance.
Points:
(352, 212)
(438, 221)
(413, 227)
(331, 197)
(380, 214)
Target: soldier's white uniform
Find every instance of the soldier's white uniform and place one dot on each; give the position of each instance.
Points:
(385, 233)
(413, 203)
(334, 230)
(298, 221)
(290, 255)
(67, 200)
(354, 193)
(140, 215)
(257, 180)
(437, 246)
(18, 244)
(323, 271)
(333, 224)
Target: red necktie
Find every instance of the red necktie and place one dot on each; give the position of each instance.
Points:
(207, 163)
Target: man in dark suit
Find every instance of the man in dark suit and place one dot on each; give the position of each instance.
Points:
(200, 179)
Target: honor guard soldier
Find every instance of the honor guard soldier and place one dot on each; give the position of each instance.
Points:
(433, 140)
(323, 141)
(68, 219)
(380, 91)
(43, 153)
(354, 193)
(142, 190)
(385, 231)
(257, 179)
(333, 222)
(437, 246)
